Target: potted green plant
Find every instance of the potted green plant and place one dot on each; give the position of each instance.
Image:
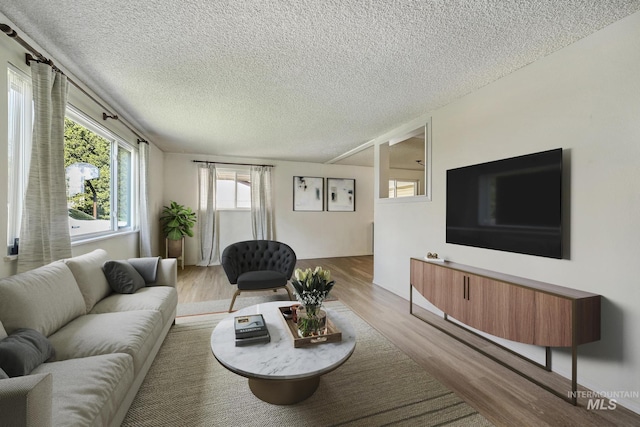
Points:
(177, 222)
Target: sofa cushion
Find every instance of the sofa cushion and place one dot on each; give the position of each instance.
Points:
(23, 351)
(44, 299)
(147, 267)
(3, 374)
(130, 332)
(88, 391)
(122, 277)
(87, 269)
(160, 298)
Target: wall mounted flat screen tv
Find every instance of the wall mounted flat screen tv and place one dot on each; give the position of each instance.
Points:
(510, 205)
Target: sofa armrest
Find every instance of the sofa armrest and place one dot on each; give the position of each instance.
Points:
(167, 274)
(26, 401)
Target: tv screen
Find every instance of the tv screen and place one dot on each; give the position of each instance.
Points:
(511, 205)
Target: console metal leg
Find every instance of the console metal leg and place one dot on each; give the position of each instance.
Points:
(574, 374)
(547, 358)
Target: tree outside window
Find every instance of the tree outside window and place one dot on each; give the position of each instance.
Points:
(99, 178)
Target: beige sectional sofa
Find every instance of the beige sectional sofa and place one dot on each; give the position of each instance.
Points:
(104, 342)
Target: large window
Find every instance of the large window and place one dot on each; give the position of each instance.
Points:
(100, 169)
(100, 178)
(20, 125)
(233, 189)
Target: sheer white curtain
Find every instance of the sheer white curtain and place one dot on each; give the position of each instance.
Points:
(262, 224)
(145, 232)
(207, 216)
(44, 234)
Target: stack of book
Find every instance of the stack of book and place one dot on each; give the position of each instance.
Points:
(251, 329)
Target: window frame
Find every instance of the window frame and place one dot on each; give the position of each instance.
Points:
(235, 171)
(18, 158)
(116, 142)
(384, 158)
(416, 187)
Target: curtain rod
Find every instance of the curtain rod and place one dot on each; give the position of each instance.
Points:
(10, 32)
(228, 163)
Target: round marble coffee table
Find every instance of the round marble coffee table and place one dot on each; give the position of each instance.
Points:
(278, 373)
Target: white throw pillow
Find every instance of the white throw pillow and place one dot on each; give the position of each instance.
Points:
(87, 269)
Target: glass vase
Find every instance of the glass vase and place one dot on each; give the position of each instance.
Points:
(312, 320)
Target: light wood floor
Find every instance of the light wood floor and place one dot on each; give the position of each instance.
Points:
(502, 396)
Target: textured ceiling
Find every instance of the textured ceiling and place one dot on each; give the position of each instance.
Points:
(294, 79)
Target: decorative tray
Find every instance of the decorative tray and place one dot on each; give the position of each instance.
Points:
(333, 333)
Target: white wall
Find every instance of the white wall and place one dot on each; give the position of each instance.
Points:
(585, 99)
(310, 234)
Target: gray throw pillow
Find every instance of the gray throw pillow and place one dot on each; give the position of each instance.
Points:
(23, 351)
(3, 375)
(122, 277)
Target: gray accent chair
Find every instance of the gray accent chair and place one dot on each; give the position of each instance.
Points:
(258, 265)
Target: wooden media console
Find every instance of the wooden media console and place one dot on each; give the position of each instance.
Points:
(510, 307)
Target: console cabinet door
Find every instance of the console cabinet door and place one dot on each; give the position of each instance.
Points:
(458, 291)
(416, 276)
(479, 300)
(553, 320)
(448, 290)
(501, 309)
(520, 314)
(436, 287)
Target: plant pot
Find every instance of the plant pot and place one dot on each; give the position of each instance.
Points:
(174, 248)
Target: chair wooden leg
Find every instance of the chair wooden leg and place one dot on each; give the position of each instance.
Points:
(238, 292)
(233, 300)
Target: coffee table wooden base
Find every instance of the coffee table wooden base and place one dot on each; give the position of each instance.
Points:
(284, 392)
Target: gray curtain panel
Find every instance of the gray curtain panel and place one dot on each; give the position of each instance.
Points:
(145, 232)
(207, 216)
(44, 234)
(262, 224)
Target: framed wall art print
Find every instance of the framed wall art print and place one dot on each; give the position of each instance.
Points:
(341, 195)
(308, 193)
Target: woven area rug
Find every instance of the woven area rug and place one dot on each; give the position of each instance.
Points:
(379, 385)
(222, 306)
